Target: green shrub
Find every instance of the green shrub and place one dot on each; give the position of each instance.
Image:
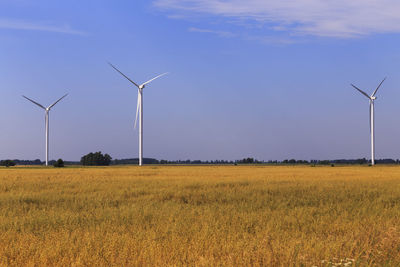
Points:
(7, 163)
(59, 163)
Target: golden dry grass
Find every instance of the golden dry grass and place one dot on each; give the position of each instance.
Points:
(200, 216)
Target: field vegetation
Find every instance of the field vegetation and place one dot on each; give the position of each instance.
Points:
(200, 216)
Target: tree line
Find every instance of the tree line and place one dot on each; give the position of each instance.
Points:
(100, 159)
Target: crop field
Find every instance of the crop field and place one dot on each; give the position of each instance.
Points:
(200, 216)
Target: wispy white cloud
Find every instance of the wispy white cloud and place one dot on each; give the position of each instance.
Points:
(219, 33)
(14, 24)
(265, 39)
(258, 38)
(328, 18)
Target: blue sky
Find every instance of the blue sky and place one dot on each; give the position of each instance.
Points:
(266, 79)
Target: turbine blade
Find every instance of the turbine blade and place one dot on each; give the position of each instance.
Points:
(376, 90)
(52, 105)
(154, 78)
(123, 74)
(139, 103)
(34, 102)
(361, 91)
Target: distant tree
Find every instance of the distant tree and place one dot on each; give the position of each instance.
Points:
(385, 161)
(362, 161)
(96, 159)
(302, 161)
(59, 163)
(245, 160)
(7, 163)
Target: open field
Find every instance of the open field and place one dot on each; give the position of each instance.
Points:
(206, 215)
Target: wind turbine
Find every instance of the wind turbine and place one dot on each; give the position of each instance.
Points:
(139, 108)
(47, 110)
(371, 98)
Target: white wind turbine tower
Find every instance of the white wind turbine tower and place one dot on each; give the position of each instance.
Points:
(371, 118)
(47, 110)
(139, 109)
